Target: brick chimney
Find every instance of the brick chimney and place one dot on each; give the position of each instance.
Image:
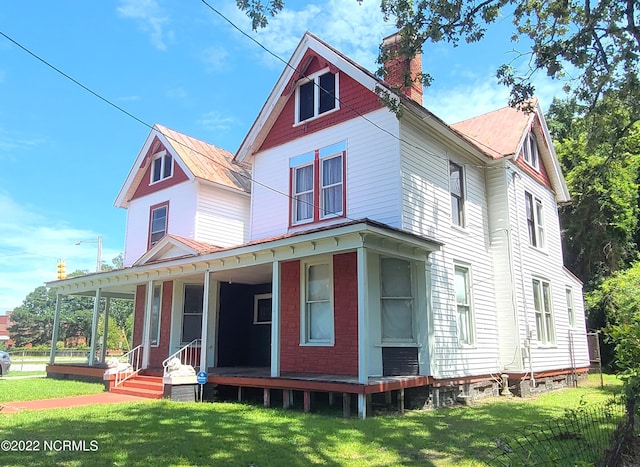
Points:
(400, 66)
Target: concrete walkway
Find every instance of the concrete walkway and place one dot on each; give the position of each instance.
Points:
(75, 401)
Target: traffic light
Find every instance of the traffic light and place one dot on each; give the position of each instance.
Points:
(62, 270)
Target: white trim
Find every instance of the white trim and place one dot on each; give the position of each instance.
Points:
(275, 319)
(305, 340)
(256, 300)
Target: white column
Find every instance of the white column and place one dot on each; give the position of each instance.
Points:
(275, 320)
(204, 332)
(146, 335)
(55, 330)
(105, 329)
(94, 327)
(363, 327)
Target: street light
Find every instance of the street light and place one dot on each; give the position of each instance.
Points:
(99, 258)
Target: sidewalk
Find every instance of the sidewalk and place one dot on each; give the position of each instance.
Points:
(75, 401)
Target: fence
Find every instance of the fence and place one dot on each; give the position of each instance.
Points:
(582, 435)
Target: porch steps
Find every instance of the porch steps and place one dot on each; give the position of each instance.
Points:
(142, 386)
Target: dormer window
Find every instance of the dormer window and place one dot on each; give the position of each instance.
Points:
(316, 95)
(162, 167)
(530, 151)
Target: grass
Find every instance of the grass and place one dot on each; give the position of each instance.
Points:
(15, 374)
(172, 433)
(43, 388)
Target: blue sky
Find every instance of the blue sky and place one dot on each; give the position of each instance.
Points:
(65, 153)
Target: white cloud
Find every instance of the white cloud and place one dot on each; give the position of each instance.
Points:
(215, 58)
(30, 246)
(151, 19)
(216, 122)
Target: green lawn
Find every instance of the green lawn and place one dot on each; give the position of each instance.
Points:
(172, 433)
(12, 389)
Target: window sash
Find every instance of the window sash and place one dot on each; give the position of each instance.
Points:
(162, 168)
(303, 193)
(530, 151)
(570, 310)
(192, 313)
(535, 220)
(463, 304)
(396, 299)
(331, 186)
(318, 308)
(158, 228)
(327, 101)
(456, 187)
(317, 96)
(543, 311)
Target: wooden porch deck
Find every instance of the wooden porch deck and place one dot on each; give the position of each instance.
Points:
(261, 378)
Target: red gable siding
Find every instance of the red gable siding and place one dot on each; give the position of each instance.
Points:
(355, 100)
(145, 187)
(342, 357)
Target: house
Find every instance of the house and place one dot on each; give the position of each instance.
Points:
(5, 323)
(348, 249)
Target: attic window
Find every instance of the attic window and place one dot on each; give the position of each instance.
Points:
(316, 96)
(162, 167)
(530, 151)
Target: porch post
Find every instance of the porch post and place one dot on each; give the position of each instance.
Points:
(205, 321)
(55, 330)
(363, 328)
(94, 327)
(105, 328)
(275, 320)
(146, 337)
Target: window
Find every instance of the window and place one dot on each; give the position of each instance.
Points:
(544, 316)
(396, 299)
(262, 308)
(192, 313)
(317, 184)
(317, 321)
(162, 167)
(530, 151)
(158, 223)
(535, 220)
(316, 96)
(155, 315)
(463, 302)
(456, 186)
(570, 310)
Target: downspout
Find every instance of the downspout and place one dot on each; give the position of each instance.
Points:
(527, 341)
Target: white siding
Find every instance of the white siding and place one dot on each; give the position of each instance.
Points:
(222, 217)
(372, 175)
(427, 211)
(182, 212)
(546, 264)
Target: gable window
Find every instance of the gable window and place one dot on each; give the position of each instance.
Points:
(155, 315)
(316, 96)
(463, 303)
(262, 308)
(570, 309)
(158, 221)
(396, 300)
(192, 313)
(535, 220)
(544, 315)
(456, 186)
(317, 184)
(162, 167)
(530, 151)
(317, 303)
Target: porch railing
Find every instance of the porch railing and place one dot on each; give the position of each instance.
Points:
(188, 355)
(132, 364)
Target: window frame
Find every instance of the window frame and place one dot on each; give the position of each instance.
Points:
(530, 152)
(393, 341)
(317, 159)
(470, 318)
(305, 309)
(461, 198)
(257, 299)
(571, 311)
(543, 309)
(153, 209)
(184, 313)
(156, 316)
(534, 215)
(314, 81)
(161, 156)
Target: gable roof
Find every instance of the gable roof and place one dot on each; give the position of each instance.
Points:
(198, 159)
(502, 133)
(173, 247)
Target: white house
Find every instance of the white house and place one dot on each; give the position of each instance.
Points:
(349, 249)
